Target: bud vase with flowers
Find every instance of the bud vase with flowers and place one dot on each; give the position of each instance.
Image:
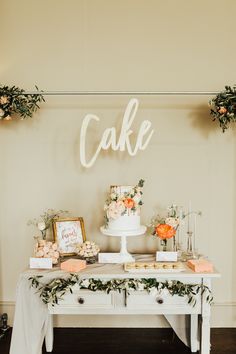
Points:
(44, 222)
(165, 227)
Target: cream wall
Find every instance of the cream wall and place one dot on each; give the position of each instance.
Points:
(118, 45)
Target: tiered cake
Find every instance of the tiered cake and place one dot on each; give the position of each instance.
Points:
(123, 207)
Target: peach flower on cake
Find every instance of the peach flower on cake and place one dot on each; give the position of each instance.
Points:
(129, 203)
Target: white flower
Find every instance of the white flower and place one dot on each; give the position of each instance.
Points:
(114, 211)
(153, 290)
(120, 206)
(41, 226)
(174, 222)
(85, 283)
(113, 196)
(140, 286)
(2, 112)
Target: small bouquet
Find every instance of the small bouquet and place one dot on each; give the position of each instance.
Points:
(45, 220)
(88, 250)
(47, 249)
(165, 227)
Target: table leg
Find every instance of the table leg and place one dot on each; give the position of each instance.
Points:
(205, 340)
(49, 334)
(205, 325)
(194, 340)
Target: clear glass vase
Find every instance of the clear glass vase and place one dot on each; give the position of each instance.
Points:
(164, 245)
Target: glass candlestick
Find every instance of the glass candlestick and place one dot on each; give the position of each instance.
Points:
(190, 252)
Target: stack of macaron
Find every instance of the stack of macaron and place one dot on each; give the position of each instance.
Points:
(87, 249)
(47, 249)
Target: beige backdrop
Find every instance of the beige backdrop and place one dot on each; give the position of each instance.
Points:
(118, 45)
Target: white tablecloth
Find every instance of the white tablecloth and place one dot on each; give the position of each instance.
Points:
(31, 314)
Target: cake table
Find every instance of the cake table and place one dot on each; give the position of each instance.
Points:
(123, 256)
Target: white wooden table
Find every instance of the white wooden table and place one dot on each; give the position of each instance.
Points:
(82, 302)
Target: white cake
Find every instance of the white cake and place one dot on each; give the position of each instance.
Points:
(123, 207)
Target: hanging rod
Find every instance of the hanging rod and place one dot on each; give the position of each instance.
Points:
(122, 93)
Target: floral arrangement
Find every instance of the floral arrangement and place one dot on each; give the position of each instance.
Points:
(47, 249)
(54, 291)
(165, 227)
(45, 220)
(87, 250)
(223, 107)
(14, 101)
(119, 203)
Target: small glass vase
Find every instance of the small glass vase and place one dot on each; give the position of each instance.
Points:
(164, 245)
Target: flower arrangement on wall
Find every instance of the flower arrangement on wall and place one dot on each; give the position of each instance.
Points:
(14, 103)
(223, 107)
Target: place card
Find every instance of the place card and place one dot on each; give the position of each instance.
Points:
(166, 256)
(40, 263)
(113, 258)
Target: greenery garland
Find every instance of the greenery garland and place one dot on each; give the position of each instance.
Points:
(54, 291)
(14, 101)
(223, 107)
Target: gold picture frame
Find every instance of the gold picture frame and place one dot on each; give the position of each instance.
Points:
(68, 232)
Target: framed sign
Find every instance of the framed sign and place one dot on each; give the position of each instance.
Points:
(68, 232)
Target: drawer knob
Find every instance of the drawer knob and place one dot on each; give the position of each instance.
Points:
(81, 300)
(159, 300)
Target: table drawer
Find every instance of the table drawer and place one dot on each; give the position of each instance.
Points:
(83, 302)
(88, 299)
(164, 301)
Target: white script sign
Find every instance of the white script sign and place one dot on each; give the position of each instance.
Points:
(109, 138)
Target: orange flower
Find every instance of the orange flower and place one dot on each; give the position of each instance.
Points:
(129, 203)
(222, 110)
(165, 231)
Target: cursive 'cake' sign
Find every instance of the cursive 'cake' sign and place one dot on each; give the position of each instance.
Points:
(111, 140)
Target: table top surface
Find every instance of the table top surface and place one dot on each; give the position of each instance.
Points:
(104, 271)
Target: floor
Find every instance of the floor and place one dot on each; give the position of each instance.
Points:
(128, 341)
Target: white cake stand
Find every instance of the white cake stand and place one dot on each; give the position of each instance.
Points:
(123, 256)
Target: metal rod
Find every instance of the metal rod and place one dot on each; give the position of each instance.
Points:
(122, 93)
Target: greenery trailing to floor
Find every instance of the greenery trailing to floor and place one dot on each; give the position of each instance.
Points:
(52, 292)
(223, 107)
(14, 102)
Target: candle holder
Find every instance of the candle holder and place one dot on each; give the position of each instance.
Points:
(190, 252)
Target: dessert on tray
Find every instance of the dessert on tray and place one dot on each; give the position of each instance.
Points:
(153, 267)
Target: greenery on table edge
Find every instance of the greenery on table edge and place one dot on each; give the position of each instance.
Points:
(52, 292)
(223, 107)
(14, 101)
